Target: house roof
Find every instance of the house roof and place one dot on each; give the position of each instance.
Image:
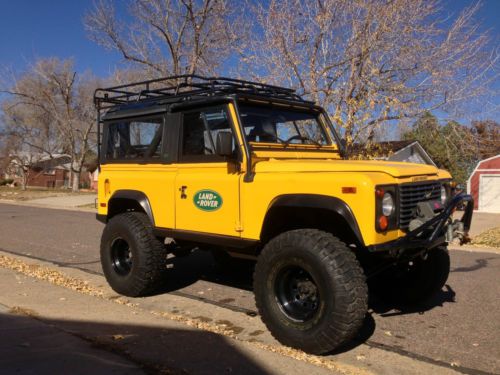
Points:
(387, 149)
(384, 148)
(38, 156)
(478, 168)
(38, 159)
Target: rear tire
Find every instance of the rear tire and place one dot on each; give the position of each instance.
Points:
(310, 290)
(415, 283)
(134, 261)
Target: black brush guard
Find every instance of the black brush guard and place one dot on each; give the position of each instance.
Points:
(432, 233)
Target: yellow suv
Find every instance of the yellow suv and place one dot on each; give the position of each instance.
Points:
(256, 171)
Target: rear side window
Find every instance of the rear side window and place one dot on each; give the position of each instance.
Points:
(139, 139)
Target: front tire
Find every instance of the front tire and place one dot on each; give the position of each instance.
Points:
(132, 258)
(310, 290)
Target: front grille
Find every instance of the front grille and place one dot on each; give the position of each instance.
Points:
(411, 194)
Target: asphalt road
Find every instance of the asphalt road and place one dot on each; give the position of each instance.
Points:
(460, 328)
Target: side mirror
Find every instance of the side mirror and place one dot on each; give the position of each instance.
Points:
(224, 144)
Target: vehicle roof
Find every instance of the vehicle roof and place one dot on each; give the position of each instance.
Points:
(152, 96)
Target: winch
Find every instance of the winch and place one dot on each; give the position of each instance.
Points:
(425, 211)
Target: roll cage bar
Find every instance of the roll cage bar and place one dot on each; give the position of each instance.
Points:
(188, 86)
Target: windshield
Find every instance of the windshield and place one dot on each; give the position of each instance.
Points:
(278, 125)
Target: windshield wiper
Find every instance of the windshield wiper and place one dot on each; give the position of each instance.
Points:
(301, 138)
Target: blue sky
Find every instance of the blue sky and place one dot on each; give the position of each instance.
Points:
(30, 29)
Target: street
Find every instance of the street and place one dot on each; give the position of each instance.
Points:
(460, 330)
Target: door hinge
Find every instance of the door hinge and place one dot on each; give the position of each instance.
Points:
(238, 227)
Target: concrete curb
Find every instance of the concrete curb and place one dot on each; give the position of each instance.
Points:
(475, 249)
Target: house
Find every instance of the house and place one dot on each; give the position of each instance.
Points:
(40, 169)
(484, 185)
(45, 171)
(50, 172)
(408, 151)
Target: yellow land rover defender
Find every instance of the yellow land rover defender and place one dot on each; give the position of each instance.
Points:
(255, 170)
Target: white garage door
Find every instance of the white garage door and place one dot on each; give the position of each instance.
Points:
(489, 193)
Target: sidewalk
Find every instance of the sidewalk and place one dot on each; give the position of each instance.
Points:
(69, 201)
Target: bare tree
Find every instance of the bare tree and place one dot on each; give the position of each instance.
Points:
(16, 162)
(166, 37)
(372, 62)
(487, 138)
(20, 164)
(50, 109)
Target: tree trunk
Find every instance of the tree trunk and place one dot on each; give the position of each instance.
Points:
(24, 181)
(76, 182)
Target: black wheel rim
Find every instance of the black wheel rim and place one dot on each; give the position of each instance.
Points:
(121, 256)
(297, 293)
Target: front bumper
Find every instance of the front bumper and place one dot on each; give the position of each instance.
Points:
(433, 232)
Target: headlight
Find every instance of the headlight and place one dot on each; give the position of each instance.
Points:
(387, 204)
(444, 194)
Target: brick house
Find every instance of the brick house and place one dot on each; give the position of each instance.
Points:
(44, 171)
(50, 172)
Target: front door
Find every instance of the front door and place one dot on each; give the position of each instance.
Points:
(207, 185)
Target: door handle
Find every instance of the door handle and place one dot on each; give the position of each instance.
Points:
(182, 189)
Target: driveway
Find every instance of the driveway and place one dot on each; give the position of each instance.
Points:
(482, 221)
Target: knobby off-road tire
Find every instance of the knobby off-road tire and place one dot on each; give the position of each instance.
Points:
(310, 290)
(415, 283)
(132, 258)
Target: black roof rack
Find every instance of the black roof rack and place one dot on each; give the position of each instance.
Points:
(185, 87)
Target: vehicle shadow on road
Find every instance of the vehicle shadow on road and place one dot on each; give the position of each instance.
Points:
(33, 344)
(478, 264)
(386, 308)
(200, 265)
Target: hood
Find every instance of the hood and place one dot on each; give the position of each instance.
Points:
(395, 169)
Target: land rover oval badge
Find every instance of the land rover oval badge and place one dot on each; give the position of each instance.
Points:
(207, 200)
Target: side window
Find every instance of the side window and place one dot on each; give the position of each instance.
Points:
(199, 133)
(139, 139)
